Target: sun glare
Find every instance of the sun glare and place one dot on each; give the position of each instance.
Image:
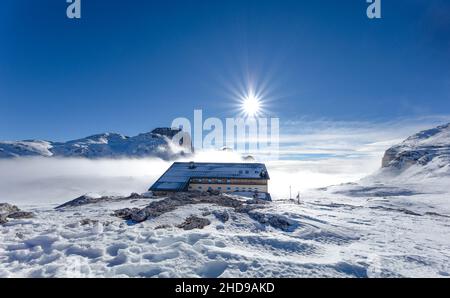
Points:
(251, 105)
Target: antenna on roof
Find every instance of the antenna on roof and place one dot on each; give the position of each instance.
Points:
(191, 165)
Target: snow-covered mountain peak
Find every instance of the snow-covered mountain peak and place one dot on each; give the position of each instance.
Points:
(422, 155)
(105, 145)
(438, 136)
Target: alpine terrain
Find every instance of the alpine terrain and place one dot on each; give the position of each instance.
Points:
(394, 223)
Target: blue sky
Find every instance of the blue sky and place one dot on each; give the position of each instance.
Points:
(129, 66)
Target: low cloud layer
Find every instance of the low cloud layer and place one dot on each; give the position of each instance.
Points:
(313, 154)
(349, 138)
(32, 181)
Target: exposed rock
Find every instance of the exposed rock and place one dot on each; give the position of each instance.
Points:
(194, 222)
(420, 149)
(6, 208)
(13, 212)
(3, 219)
(86, 199)
(88, 221)
(163, 227)
(276, 221)
(223, 216)
(248, 158)
(214, 192)
(125, 213)
(175, 200)
(280, 222)
(20, 214)
(134, 195)
(247, 208)
(256, 201)
(140, 215)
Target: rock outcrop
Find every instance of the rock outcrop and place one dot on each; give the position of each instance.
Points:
(174, 201)
(177, 200)
(8, 211)
(194, 222)
(423, 148)
(87, 199)
(223, 216)
(6, 208)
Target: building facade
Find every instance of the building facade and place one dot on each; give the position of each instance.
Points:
(228, 185)
(222, 177)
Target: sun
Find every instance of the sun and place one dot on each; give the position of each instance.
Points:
(251, 105)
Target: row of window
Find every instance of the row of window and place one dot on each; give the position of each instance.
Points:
(228, 181)
(220, 180)
(227, 188)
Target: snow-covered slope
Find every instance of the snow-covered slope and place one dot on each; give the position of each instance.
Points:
(25, 148)
(423, 155)
(106, 145)
(331, 235)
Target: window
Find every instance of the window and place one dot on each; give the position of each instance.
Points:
(199, 187)
(210, 188)
(240, 171)
(228, 188)
(209, 180)
(228, 181)
(219, 188)
(219, 180)
(246, 172)
(199, 180)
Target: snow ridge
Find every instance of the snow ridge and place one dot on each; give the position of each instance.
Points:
(426, 153)
(105, 145)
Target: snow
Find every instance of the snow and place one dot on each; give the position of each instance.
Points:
(393, 223)
(106, 145)
(337, 234)
(428, 151)
(25, 148)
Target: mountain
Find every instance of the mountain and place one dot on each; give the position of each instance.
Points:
(107, 145)
(426, 153)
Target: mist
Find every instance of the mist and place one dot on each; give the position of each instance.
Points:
(35, 181)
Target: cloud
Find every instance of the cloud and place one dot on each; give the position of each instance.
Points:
(349, 138)
(36, 181)
(301, 175)
(55, 180)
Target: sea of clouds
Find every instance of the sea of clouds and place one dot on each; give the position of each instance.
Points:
(312, 154)
(35, 181)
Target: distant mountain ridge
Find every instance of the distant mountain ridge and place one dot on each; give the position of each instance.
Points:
(426, 153)
(156, 143)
